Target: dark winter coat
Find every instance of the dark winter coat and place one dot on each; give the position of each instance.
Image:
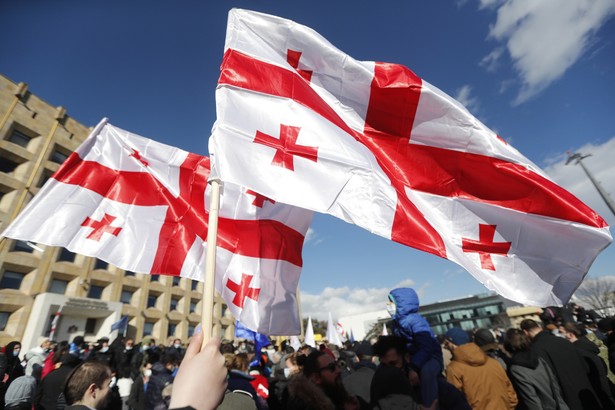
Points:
(407, 323)
(597, 371)
(160, 378)
(358, 382)
(50, 388)
(536, 385)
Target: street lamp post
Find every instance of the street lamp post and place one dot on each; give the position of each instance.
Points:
(577, 158)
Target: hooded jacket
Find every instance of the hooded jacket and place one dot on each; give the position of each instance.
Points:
(409, 324)
(481, 378)
(535, 383)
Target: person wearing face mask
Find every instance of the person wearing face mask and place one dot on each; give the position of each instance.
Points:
(35, 359)
(136, 399)
(14, 369)
(176, 350)
(103, 353)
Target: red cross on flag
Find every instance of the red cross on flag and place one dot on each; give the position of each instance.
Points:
(142, 206)
(395, 155)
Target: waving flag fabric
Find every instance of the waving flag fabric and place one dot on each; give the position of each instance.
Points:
(375, 145)
(142, 206)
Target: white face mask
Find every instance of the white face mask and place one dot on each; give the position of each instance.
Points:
(391, 309)
(286, 372)
(113, 382)
(147, 372)
(128, 347)
(104, 349)
(177, 345)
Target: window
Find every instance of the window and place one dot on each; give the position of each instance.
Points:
(190, 330)
(90, 326)
(19, 138)
(148, 328)
(11, 280)
(129, 273)
(95, 291)
(173, 305)
(21, 246)
(58, 157)
(126, 297)
(4, 319)
(171, 329)
(66, 256)
(176, 280)
(151, 301)
(58, 286)
(192, 306)
(154, 278)
(7, 166)
(101, 264)
(194, 285)
(223, 310)
(44, 178)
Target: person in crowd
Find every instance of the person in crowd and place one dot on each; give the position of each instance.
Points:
(52, 361)
(176, 350)
(391, 389)
(359, 381)
(52, 385)
(598, 370)
(567, 365)
(605, 326)
(14, 369)
(3, 365)
(320, 386)
(278, 385)
(102, 352)
(240, 380)
(122, 349)
(136, 399)
(144, 355)
(392, 351)
(480, 377)
(162, 376)
(425, 352)
(535, 383)
(124, 385)
(485, 339)
(78, 347)
(201, 380)
(20, 394)
(35, 359)
(603, 353)
(88, 386)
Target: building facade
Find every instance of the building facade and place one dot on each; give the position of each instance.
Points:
(37, 280)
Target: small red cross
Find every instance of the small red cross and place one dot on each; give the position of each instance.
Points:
(485, 246)
(100, 227)
(286, 146)
(137, 155)
(242, 290)
(259, 200)
(293, 57)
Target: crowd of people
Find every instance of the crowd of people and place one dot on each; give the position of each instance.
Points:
(561, 362)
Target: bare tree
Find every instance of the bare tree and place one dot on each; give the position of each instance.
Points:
(597, 293)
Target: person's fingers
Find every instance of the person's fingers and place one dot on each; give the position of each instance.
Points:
(195, 346)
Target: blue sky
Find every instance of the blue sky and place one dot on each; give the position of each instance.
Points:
(541, 74)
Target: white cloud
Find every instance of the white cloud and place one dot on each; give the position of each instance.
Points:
(490, 61)
(601, 166)
(312, 237)
(465, 97)
(347, 301)
(545, 38)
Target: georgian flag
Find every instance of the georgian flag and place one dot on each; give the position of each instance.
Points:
(375, 145)
(142, 206)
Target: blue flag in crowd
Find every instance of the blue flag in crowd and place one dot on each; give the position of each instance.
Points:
(260, 340)
(120, 324)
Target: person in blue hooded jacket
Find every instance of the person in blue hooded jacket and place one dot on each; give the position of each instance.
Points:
(425, 353)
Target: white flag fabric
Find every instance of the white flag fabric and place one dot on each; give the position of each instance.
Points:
(333, 335)
(375, 145)
(142, 206)
(309, 334)
(295, 343)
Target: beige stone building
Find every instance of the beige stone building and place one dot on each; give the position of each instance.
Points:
(35, 281)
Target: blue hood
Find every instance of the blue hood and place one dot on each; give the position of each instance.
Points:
(406, 301)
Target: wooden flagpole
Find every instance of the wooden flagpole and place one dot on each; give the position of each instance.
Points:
(207, 311)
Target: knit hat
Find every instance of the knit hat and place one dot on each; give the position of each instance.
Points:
(483, 337)
(21, 390)
(457, 335)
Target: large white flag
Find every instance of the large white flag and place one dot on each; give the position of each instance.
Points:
(142, 206)
(372, 143)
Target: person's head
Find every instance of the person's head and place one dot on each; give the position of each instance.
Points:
(484, 337)
(573, 332)
(455, 337)
(177, 343)
(515, 341)
(364, 350)
(530, 327)
(290, 363)
(13, 350)
(169, 361)
(391, 350)
(605, 325)
(320, 368)
(46, 345)
(88, 384)
(240, 361)
(402, 301)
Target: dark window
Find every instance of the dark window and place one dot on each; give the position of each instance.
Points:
(21, 246)
(66, 256)
(176, 280)
(154, 278)
(44, 178)
(90, 326)
(148, 328)
(11, 280)
(129, 273)
(126, 297)
(192, 306)
(190, 330)
(4, 318)
(194, 284)
(173, 305)
(58, 157)
(95, 291)
(101, 264)
(19, 138)
(7, 166)
(223, 310)
(58, 286)
(171, 329)
(151, 301)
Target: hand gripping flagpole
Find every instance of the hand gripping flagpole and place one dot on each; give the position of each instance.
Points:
(207, 313)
